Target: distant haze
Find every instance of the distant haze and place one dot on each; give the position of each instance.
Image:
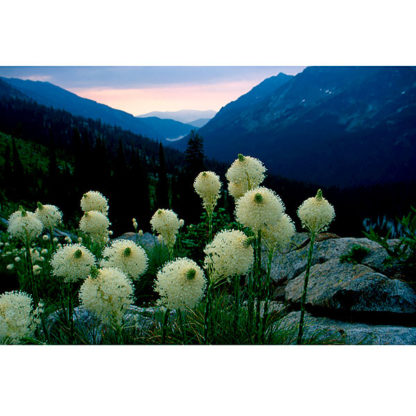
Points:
(184, 116)
(140, 90)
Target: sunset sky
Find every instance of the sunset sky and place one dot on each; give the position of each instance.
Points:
(139, 90)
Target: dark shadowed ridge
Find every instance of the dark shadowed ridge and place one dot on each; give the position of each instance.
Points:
(53, 96)
(343, 126)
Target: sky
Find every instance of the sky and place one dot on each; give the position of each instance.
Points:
(143, 89)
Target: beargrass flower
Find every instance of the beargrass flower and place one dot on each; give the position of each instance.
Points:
(316, 213)
(245, 173)
(126, 256)
(108, 295)
(94, 201)
(180, 283)
(259, 208)
(96, 225)
(166, 223)
(17, 317)
(278, 235)
(49, 215)
(72, 262)
(229, 254)
(207, 185)
(24, 226)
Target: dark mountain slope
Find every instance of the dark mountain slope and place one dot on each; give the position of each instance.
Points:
(50, 95)
(341, 126)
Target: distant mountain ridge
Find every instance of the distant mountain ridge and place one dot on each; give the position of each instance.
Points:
(343, 126)
(53, 96)
(184, 116)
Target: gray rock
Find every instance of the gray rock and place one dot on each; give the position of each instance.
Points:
(91, 327)
(352, 288)
(147, 240)
(324, 331)
(288, 266)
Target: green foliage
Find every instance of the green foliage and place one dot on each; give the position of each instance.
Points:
(195, 237)
(402, 254)
(356, 254)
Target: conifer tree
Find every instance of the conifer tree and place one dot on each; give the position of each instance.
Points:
(162, 189)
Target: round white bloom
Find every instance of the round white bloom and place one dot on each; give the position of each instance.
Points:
(94, 201)
(108, 295)
(17, 318)
(45, 237)
(10, 267)
(44, 251)
(126, 256)
(17, 259)
(49, 215)
(237, 190)
(259, 208)
(72, 262)
(24, 225)
(316, 213)
(229, 254)
(247, 171)
(95, 224)
(181, 284)
(166, 223)
(279, 234)
(207, 185)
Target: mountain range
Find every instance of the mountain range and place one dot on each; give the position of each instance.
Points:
(332, 126)
(53, 96)
(196, 118)
(342, 126)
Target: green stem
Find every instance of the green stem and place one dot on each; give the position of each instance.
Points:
(164, 325)
(182, 326)
(209, 225)
(250, 305)
(258, 287)
(236, 304)
(207, 313)
(305, 289)
(267, 300)
(30, 272)
(51, 237)
(70, 311)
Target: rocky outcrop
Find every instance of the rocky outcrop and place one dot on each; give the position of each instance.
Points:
(367, 295)
(319, 330)
(348, 287)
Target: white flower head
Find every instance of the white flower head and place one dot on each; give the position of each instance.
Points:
(166, 223)
(25, 226)
(17, 318)
(207, 185)
(246, 171)
(229, 254)
(180, 283)
(316, 213)
(94, 201)
(279, 234)
(108, 295)
(49, 215)
(126, 256)
(72, 262)
(95, 224)
(259, 208)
